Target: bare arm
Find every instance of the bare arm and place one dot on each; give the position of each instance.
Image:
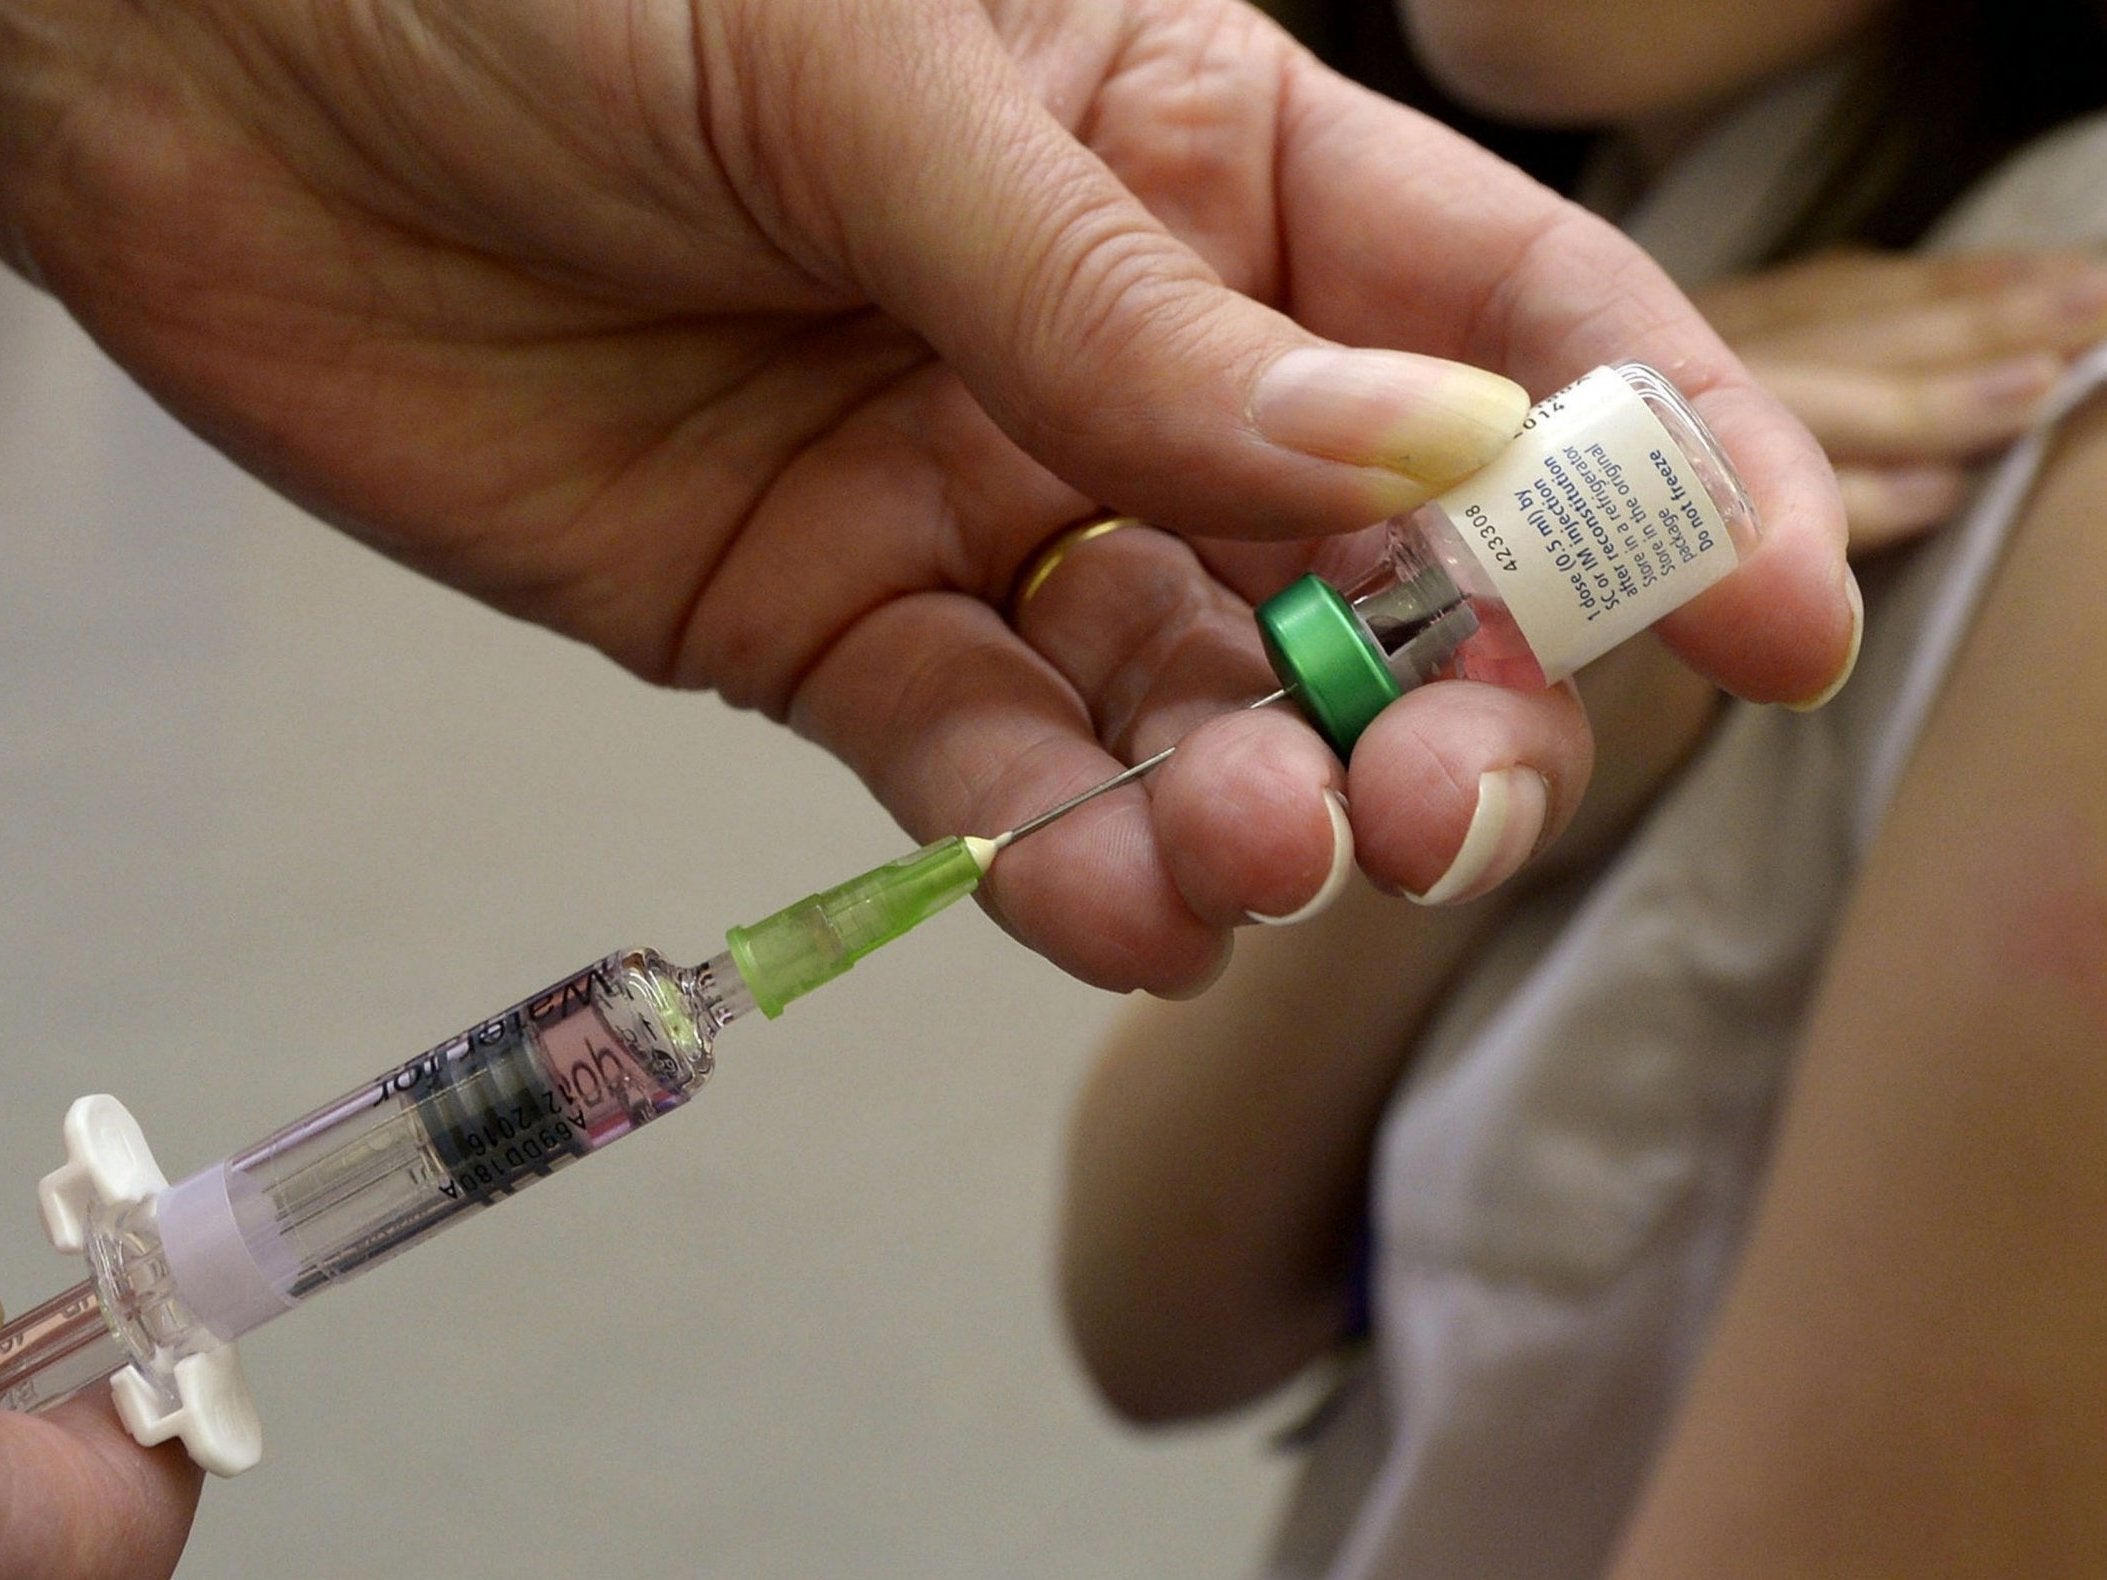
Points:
(1219, 1153)
(1910, 1374)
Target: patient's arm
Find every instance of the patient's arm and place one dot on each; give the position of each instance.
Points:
(1910, 1373)
(1219, 1150)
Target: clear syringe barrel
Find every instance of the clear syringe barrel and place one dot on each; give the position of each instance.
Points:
(459, 1127)
(177, 1272)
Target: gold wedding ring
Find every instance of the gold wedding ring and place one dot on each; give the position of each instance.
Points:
(1046, 559)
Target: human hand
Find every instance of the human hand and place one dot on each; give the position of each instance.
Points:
(757, 342)
(79, 1500)
(1909, 367)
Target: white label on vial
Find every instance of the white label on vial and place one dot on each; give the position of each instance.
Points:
(1592, 524)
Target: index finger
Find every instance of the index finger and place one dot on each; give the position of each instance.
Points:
(1847, 284)
(957, 726)
(1404, 234)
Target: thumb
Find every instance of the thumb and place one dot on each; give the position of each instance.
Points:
(1107, 348)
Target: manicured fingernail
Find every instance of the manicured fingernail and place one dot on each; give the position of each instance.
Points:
(1431, 421)
(1334, 879)
(1508, 821)
(1858, 636)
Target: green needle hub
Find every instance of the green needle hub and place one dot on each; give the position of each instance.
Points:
(821, 936)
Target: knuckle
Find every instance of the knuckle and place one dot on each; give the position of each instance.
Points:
(1091, 280)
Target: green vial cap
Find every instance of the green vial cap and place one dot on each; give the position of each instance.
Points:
(814, 941)
(1324, 657)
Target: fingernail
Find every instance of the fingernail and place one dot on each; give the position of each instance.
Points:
(1508, 821)
(1430, 420)
(1858, 635)
(1334, 880)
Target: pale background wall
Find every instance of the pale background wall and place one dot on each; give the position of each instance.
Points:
(275, 814)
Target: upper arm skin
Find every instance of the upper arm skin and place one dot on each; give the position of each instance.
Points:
(1909, 1375)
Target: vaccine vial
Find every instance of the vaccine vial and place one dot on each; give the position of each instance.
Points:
(1613, 506)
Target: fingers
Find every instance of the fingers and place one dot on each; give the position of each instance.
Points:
(79, 1500)
(1785, 627)
(1151, 642)
(1837, 288)
(1160, 652)
(1900, 439)
(1104, 345)
(2057, 311)
(1861, 413)
(1251, 815)
(958, 727)
(1891, 504)
(1461, 791)
(1454, 787)
(1450, 793)
(1905, 367)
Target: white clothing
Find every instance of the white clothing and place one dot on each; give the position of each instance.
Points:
(1561, 1184)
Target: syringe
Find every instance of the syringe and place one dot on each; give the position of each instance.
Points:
(178, 1272)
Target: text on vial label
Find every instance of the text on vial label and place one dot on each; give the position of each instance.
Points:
(1592, 525)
